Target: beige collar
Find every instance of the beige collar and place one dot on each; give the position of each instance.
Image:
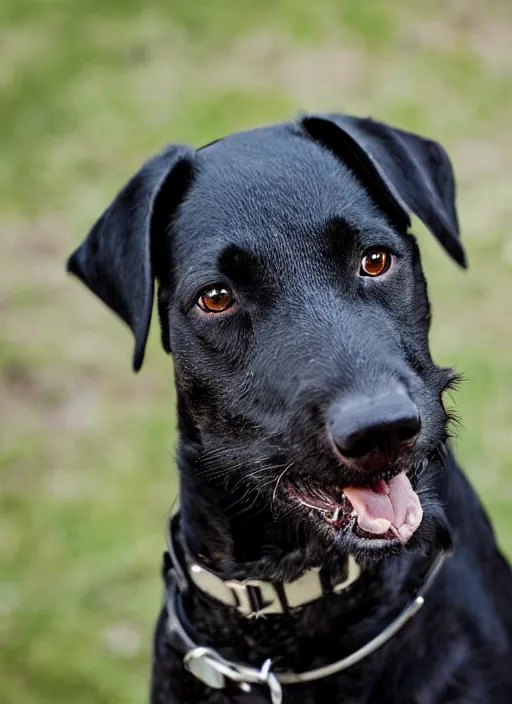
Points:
(256, 597)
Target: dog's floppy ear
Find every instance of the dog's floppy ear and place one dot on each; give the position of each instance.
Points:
(116, 260)
(406, 172)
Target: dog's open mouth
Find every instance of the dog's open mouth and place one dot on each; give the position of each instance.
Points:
(389, 510)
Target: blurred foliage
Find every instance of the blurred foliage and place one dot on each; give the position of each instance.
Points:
(88, 89)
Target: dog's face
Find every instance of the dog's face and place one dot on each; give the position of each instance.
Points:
(294, 303)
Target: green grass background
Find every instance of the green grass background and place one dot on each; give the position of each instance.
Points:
(89, 88)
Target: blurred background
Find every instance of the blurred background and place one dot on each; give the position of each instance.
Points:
(90, 88)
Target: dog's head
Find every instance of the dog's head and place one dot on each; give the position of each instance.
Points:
(292, 297)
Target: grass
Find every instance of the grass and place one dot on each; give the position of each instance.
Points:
(88, 90)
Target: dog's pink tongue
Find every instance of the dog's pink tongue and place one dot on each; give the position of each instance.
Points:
(387, 506)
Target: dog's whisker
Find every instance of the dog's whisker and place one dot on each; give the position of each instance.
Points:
(255, 461)
(280, 477)
(212, 454)
(255, 492)
(213, 471)
(229, 471)
(251, 475)
(241, 499)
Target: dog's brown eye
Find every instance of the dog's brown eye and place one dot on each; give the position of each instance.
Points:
(375, 262)
(216, 300)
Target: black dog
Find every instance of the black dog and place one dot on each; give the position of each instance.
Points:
(311, 424)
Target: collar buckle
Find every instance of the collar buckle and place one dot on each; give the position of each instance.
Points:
(210, 668)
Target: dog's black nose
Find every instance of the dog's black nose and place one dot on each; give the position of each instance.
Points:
(362, 425)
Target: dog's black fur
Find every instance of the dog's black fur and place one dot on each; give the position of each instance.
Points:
(282, 216)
